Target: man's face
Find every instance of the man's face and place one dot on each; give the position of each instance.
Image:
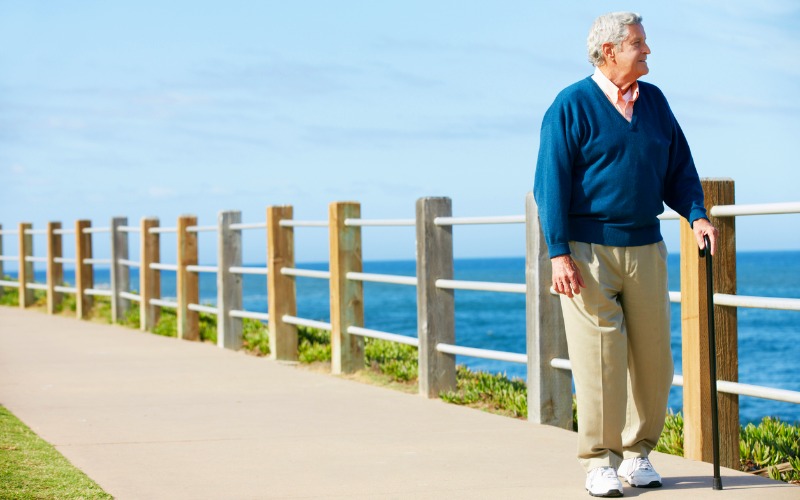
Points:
(631, 56)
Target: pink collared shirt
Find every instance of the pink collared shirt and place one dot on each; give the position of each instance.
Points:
(623, 103)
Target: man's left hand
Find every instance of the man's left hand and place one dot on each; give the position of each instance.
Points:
(702, 227)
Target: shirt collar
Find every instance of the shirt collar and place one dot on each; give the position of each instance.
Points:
(613, 92)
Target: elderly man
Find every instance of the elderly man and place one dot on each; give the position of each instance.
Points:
(611, 155)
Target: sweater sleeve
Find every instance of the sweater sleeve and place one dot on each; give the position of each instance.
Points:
(683, 191)
(553, 179)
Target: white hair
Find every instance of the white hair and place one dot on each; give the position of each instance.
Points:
(611, 27)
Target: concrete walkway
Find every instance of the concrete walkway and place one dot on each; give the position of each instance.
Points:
(152, 417)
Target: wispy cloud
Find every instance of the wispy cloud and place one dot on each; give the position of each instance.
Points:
(450, 129)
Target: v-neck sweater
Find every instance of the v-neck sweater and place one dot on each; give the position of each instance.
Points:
(601, 179)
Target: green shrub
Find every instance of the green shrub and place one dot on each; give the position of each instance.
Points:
(314, 345)
(398, 361)
(494, 392)
(39, 298)
(207, 324)
(69, 302)
(101, 309)
(671, 440)
(167, 324)
(9, 296)
(255, 337)
(770, 444)
(131, 317)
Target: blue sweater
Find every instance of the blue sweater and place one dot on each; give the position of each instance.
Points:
(601, 179)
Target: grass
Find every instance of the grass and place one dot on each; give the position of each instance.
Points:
(32, 468)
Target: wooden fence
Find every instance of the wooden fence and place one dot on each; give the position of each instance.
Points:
(549, 384)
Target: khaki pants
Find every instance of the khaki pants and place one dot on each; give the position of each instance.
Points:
(618, 335)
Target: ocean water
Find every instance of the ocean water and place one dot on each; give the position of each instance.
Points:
(769, 341)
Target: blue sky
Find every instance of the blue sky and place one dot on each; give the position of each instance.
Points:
(166, 108)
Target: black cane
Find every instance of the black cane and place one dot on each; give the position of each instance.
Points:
(712, 360)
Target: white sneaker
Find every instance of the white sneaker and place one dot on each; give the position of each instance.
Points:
(603, 482)
(639, 473)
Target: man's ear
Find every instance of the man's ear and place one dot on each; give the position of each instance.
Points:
(608, 51)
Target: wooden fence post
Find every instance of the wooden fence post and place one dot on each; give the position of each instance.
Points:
(281, 289)
(25, 266)
(187, 282)
(347, 296)
(55, 268)
(435, 306)
(120, 274)
(149, 279)
(84, 272)
(549, 389)
(694, 319)
(229, 285)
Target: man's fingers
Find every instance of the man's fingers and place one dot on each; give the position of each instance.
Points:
(703, 228)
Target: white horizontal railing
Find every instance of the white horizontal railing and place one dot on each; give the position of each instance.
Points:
(778, 303)
(36, 286)
(792, 207)
(97, 261)
(201, 229)
(306, 273)
(96, 291)
(65, 289)
(482, 353)
(203, 309)
(64, 260)
(380, 222)
(9, 231)
(383, 278)
(202, 269)
(725, 386)
(669, 215)
(501, 219)
(31, 258)
(248, 270)
(561, 364)
(725, 299)
(128, 262)
(758, 391)
(129, 229)
(10, 284)
(160, 230)
(164, 303)
(294, 320)
(237, 313)
(251, 225)
(90, 230)
(35, 231)
(64, 231)
(303, 223)
(163, 267)
(130, 296)
(485, 286)
(9, 258)
(377, 334)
